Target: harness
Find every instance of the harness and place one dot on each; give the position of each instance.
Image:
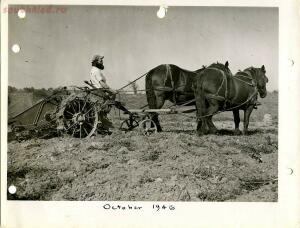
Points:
(224, 82)
(249, 77)
(225, 97)
(169, 72)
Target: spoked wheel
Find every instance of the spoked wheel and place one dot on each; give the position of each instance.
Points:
(80, 118)
(128, 125)
(148, 127)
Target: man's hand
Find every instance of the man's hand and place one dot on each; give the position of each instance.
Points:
(112, 93)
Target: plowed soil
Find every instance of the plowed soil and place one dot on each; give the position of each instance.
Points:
(175, 165)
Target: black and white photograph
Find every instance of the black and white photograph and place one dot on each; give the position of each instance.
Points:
(142, 103)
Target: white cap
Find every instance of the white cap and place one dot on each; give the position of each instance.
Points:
(97, 57)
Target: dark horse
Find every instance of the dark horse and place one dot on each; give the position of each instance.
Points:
(169, 82)
(216, 89)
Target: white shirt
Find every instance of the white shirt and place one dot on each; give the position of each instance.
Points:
(97, 78)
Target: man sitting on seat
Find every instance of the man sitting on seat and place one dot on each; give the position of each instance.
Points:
(99, 81)
(97, 78)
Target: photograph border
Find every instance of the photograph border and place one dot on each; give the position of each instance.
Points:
(284, 213)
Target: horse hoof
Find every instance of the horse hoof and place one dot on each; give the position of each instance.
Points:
(206, 132)
(159, 129)
(200, 133)
(213, 131)
(245, 132)
(237, 132)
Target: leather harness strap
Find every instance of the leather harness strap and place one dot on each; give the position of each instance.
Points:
(224, 82)
(249, 76)
(169, 72)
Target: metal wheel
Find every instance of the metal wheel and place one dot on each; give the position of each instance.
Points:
(148, 127)
(128, 125)
(80, 118)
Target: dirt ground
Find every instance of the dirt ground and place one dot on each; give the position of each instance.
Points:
(175, 165)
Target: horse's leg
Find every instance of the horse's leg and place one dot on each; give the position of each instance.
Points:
(236, 116)
(160, 100)
(199, 124)
(199, 121)
(247, 114)
(211, 126)
(200, 106)
(201, 127)
(212, 109)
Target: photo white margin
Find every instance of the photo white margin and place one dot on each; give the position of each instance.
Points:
(284, 213)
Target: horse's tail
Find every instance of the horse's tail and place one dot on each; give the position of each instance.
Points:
(151, 98)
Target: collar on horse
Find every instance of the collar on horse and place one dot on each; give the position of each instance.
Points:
(247, 74)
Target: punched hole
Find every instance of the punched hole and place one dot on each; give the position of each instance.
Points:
(21, 13)
(161, 13)
(290, 171)
(12, 189)
(16, 48)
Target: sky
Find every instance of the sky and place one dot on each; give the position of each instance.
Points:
(57, 48)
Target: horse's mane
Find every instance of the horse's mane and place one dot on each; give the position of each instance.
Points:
(254, 71)
(220, 66)
(217, 65)
(251, 69)
(201, 69)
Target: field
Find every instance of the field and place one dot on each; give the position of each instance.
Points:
(175, 165)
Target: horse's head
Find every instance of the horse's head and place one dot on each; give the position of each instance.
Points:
(259, 75)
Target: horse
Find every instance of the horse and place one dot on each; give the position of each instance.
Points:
(216, 89)
(169, 82)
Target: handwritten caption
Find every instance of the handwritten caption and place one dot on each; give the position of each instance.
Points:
(155, 207)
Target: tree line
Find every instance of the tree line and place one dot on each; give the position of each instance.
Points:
(47, 92)
(42, 92)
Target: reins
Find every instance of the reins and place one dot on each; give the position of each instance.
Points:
(240, 74)
(130, 83)
(250, 84)
(225, 80)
